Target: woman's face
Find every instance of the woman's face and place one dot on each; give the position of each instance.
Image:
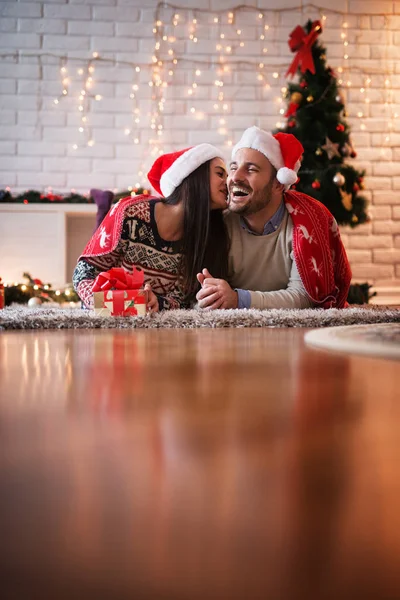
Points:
(218, 188)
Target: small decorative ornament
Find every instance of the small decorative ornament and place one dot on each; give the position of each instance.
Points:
(323, 57)
(331, 148)
(339, 98)
(318, 152)
(356, 188)
(353, 154)
(291, 123)
(303, 84)
(310, 98)
(354, 219)
(347, 199)
(339, 179)
(316, 184)
(340, 127)
(296, 97)
(345, 149)
(34, 301)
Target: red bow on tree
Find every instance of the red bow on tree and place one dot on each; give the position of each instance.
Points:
(118, 279)
(301, 43)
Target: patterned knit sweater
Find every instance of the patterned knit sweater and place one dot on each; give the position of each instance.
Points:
(139, 244)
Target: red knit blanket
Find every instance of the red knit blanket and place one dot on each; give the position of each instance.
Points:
(318, 251)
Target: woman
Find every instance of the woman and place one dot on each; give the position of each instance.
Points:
(171, 238)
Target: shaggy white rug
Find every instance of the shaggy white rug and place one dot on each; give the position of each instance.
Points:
(22, 317)
(381, 340)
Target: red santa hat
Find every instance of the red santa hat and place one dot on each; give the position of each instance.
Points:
(283, 151)
(169, 170)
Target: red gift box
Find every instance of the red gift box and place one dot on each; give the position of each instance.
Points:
(118, 293)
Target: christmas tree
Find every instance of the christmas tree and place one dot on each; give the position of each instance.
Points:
(316, 117)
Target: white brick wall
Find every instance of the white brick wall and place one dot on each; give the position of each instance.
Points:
(37, 136)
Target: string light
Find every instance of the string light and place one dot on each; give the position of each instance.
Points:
(169, 35)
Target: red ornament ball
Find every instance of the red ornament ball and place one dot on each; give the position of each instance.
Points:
(316, 184)
(356, 187)
(291, 123)
(303, 84)
(340, 127)
(353, 154)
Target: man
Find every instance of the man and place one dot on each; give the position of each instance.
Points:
(285, 250)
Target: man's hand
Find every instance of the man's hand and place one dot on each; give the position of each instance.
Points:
(215, 293)
(152, 303)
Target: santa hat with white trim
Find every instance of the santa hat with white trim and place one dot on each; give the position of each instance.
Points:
(169, 170)
(283, 151)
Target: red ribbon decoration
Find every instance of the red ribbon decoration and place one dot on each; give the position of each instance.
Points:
(292, 109)
(301, 43)
(118, 279)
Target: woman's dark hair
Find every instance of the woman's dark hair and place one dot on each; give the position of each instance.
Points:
(205, 239)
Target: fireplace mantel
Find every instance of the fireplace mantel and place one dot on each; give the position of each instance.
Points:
(43, 239)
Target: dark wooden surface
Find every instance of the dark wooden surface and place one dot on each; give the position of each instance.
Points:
(204, 464)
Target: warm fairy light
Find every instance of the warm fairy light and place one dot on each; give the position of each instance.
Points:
(56, 101)
(23, 288)
(63, 70)
(275, 75)
(198, 72)
(91, 143)
(75, 146)
(95, 54)
(81, 130)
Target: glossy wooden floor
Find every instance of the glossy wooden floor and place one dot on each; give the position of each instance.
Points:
(204, 464)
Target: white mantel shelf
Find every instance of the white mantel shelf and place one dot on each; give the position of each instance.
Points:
(43, 239)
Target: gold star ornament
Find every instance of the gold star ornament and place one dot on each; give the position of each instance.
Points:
(331, 148)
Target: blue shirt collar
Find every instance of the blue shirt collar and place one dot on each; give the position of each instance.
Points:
(271, 225)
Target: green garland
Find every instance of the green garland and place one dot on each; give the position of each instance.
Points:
(35, 197)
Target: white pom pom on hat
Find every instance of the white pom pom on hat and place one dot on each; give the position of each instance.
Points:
(169, 170)
(283, 150)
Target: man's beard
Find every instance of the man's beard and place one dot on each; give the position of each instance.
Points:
(257, 202)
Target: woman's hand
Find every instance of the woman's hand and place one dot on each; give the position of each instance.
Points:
(152, 303)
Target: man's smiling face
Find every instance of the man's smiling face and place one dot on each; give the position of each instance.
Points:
(250, 182)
